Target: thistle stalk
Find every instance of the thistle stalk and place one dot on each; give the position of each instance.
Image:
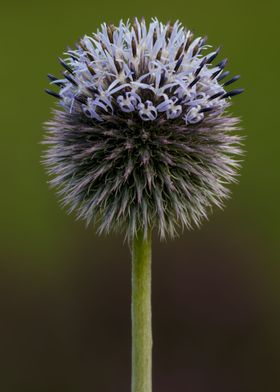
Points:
(142, 137)
(141, 313)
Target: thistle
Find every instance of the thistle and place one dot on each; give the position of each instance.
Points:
(141, 139)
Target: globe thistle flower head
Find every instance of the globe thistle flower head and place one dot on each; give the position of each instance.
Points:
(141, 137)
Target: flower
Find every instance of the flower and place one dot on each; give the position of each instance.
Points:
(142, 137)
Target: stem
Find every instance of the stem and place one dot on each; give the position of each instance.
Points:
(141, 313)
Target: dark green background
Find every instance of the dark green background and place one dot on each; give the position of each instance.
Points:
(64, 293)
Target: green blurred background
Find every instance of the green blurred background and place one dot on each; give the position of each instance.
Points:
(64, 292)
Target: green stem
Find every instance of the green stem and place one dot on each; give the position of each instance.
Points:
(141, 314)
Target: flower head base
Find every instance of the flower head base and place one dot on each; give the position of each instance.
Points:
(142, 138)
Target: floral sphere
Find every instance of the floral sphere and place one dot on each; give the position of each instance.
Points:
(141, 137)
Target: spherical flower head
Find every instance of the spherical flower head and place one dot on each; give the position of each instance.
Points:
(141, 137)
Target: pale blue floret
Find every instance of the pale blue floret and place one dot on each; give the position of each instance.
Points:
(90, 109)
(165, 105)
(129, 102)
(120, 59)
(175, 110)
(147, 111)
(194, 116)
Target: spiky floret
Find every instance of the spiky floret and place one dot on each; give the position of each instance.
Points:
(142, 138)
